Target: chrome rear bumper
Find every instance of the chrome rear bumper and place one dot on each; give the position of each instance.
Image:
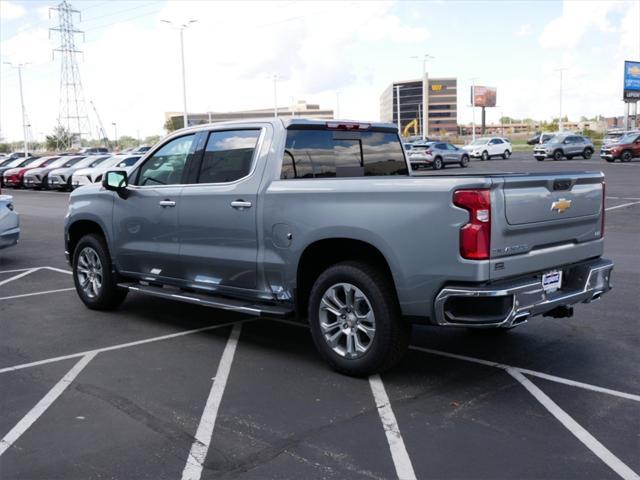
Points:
(511, 302)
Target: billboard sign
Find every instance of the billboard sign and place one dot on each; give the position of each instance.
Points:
(631, 81)
(483, 96)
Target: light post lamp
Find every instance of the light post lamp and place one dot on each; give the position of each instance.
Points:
(425, 93)
(560, 126)
(24, 115)
(275, 95)
(115, 132)
(473, 108)
(182, 28)
(398, 87)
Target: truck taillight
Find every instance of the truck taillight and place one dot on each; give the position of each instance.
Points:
(604, 192)
(475, 236)
(429, 152)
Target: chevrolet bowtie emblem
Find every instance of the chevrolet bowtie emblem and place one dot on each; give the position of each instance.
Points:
(561, 205)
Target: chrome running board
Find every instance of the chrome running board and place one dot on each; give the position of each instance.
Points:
(223, 303)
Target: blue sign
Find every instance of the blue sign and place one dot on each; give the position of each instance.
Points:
(631, 75)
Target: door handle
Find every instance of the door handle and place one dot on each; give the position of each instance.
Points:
(240, 204)
(167, 203)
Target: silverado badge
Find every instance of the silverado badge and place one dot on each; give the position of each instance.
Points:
(561, 205)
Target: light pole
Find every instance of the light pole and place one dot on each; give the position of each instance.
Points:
(560, 127)
(115, 132)
(24, 115)
(182, 28)
(398, 87)
(473, 108)
(275, 95)
(425, 94)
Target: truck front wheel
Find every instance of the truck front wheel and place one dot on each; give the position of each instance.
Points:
(355, 319)
(93, 276)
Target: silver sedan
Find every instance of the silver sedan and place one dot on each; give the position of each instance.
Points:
(437, 155)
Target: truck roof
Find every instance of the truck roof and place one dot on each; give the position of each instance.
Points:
(290, 121)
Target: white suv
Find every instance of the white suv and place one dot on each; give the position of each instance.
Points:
(487, 147)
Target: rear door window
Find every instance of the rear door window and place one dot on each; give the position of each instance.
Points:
(329, 153)
(228, 156)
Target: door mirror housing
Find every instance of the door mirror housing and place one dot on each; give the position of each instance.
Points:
(116, 181)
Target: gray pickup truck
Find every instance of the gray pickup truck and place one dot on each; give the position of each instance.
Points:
(323, 221)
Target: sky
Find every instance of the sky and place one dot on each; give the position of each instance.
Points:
(130, 66)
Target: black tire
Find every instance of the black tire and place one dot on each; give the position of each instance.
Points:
(392, 332)
(610, 160)
(626, 156)
(109, 296)
(557, 155)
(464, 161)
(437, 163)
(485, 156)
(569, 157)
(587, 153)
(506, 154)
(540, 159)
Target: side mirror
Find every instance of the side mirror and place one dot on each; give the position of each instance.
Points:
(116, 181)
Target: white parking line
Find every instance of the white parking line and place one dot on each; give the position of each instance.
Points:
(622, 206)
(490, 363)
(37, 293)
(575, 428)
(198, 454)
(623, 198)
(122, 345)
(553, 378)
(17, 270)
(46, 401)
(401, 460)
(20, 275)
(54, 269)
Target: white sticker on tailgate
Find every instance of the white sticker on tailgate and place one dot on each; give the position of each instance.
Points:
(552, 281)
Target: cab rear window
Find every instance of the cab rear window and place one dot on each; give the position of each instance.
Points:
(328, 153)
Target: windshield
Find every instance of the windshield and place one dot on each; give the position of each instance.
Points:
(479, 141)
(71, 162)
(97, 162)
(128, 162)
(49, 161)
(26, 162)
(628, 138)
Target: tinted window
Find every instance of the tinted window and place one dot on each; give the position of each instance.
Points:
(228, 156)
(166, 165)
(328, 153)
(71, 162)
(496, 141)
(97, 162)
(127, 162)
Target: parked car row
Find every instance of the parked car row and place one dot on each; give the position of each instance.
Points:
(438, 154)
(61, 172)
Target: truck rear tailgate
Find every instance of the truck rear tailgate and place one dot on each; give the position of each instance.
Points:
(541, 221)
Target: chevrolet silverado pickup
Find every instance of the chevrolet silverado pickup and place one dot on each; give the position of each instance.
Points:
(324, 222)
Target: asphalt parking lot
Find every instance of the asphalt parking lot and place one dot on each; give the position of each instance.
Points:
(156, 388)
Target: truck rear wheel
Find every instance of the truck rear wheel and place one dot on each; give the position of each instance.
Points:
(93, 276)
(355, 319)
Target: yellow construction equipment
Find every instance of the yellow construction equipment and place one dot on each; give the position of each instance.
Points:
(412, 124)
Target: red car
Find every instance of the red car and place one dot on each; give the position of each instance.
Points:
(625, 149)
(14, 177)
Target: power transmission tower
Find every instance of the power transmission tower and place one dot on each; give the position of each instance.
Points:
(73, 110)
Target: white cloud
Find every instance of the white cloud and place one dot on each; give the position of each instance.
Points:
(10, 10)
(524, 30)
(578, 17)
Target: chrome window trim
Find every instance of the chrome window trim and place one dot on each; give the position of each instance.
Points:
(209, 131)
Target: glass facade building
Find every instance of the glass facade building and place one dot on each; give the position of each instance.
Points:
(443, 105)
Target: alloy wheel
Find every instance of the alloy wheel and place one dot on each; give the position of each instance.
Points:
(89, 272)
(347, 320)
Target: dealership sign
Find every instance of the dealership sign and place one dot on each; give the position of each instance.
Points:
(483, 96)
(631, 81)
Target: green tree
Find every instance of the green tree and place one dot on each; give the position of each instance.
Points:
(173, 124)
(152, 140)
(61, 139)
